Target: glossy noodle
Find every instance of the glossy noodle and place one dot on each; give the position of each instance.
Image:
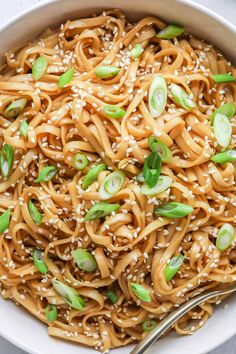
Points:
(110, 269)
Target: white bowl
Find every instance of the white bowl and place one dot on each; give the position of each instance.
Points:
(15, 324)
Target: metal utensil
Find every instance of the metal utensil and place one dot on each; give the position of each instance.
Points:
(170, 319)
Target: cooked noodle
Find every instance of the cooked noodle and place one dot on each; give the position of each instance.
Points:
(131, 244)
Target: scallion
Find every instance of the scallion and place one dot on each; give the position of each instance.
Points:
(152, 169)
(4, 221)
(6, 159)
(181, 98)
(149, 325)
(80, 161)
(173, 266)
(66, 78)
(225, 237)
(84, 260)
(15, 108)
(170, 32)
(24, 126)
(92, 175)
(51, 313)
(107, 71)
(140, 178)
(39, 67)
(114, 111)
(223, 78)
(112, 296)
(174, 210)
(141, 292)
(157, 96)
(34, 213)
(136, 51)
(222, 130)
(70, 295)
(100, 210)
(224, 157)
(39, 262)
(158, 146)
(46, 174)
(228, 109)
(111, 185)
(162, 185)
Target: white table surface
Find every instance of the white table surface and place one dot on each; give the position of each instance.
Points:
(9, 8)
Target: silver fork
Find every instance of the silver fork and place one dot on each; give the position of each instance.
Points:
(170, 319)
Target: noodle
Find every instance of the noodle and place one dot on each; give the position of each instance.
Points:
(131, 244)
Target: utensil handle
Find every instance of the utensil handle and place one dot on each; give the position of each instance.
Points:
(170, 319)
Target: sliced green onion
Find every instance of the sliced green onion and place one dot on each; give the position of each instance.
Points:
(107, 71)
(162, 185)
(136, 51)
(225, 237)
(4, 221)
(51, 313)
(170, 32)
(149, 325)
(223, 78)
(46, 174)
(39, 67)
(114, 111)
(15, 108)
(173, 266)
(6, 159)
(100, 210)
(161, 148)
(92, 175)
(152, 169)
(66, 78)
(141, 292)
(111, 185)
(157, 96)
(80, 161)
(181, 98)
(84, 260)
(140, 178)
(112, 296)
(223, 157)
(34, 213)
(39, 262)
(228, 109)
(174, 210)
(70, 295)
(222, 130)
(24, 126)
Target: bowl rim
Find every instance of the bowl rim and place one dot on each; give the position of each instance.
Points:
(190, 3)
(34, 8)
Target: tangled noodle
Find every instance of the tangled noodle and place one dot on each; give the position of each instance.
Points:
(131, 244)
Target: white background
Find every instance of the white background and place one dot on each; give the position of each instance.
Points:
(8, 9)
